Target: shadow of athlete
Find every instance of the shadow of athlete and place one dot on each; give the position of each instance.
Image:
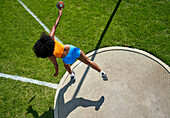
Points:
(64, 109)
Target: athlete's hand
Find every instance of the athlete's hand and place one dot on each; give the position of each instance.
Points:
(60, 12)
(56, 74)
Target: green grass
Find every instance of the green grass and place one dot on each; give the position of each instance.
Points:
(141, 24)
(17, 99)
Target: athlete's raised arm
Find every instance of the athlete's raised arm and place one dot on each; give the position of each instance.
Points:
(52, 33)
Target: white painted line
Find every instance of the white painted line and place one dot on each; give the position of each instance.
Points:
(42, 24)
(23, 79)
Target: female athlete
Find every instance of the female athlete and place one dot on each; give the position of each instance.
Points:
(49, 47)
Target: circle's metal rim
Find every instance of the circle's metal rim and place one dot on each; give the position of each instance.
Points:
(114, 48)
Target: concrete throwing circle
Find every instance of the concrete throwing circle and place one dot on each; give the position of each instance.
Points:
(138, 87)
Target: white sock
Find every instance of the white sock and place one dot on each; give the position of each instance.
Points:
(102, 72)
(72, 74)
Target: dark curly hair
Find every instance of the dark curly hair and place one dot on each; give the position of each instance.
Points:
(44, 47)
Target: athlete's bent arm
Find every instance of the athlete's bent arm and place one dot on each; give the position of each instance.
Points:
(54, 61)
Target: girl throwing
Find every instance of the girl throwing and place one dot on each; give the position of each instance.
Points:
(49, 47)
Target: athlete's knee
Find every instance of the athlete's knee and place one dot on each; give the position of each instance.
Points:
(89, 62)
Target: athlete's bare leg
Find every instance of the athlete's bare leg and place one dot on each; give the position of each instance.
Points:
(67, 67)
(87, 61)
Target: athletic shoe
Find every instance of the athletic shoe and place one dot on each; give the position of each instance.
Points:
(104, 76)
(73, 77)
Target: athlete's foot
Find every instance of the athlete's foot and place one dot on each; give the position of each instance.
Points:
(104, 76)
(73, 77)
